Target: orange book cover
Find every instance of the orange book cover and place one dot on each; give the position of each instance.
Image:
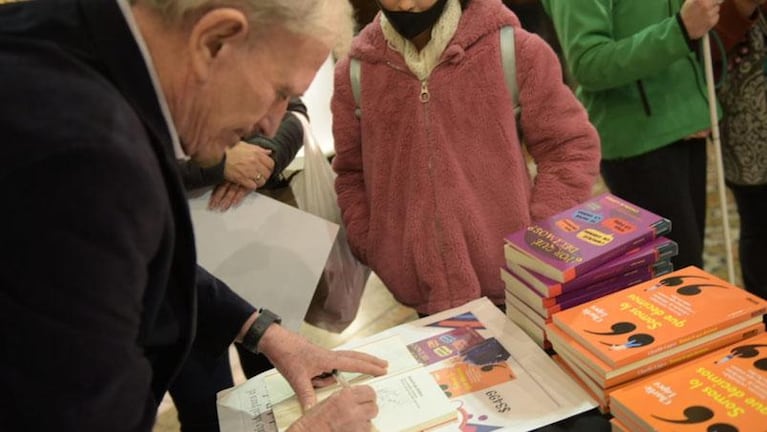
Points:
(657, 315)
(725, 390)
(476, 369)
(606, 376)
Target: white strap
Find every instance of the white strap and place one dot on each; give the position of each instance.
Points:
(354, 75)
(509, 61)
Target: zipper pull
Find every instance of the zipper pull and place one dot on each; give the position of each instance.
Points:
(425, 96)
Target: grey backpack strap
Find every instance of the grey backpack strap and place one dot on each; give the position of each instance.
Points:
(354, 75)
(509, 61)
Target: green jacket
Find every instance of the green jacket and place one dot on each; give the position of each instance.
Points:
(637, 75)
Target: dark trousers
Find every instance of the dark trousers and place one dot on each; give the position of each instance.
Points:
(752, 207)
(671, 182)
(194, 391)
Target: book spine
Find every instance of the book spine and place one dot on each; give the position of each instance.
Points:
(661, 226)
(588, 295)
(583, 268)
(606, 272)
(608, 287)
(520, 289)
(628, 278)
(644, 258)
(685, 355)
(679, 341)
(544, 286)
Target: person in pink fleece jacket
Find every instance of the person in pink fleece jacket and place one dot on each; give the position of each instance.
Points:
(432, 175)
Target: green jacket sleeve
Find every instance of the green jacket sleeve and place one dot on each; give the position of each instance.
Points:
(599, 57)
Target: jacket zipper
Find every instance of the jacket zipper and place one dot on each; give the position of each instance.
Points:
(425, 96)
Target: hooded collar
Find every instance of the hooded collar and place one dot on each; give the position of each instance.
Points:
(479, 19)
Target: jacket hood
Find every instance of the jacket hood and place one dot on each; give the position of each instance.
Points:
(480, 18)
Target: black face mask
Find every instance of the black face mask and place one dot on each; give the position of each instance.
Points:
(411, 24)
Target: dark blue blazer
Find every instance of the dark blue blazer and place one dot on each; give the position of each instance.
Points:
(100, 295)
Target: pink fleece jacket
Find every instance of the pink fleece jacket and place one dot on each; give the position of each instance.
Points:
(428, 189)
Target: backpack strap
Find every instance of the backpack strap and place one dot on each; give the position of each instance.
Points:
(509, 61)
(354, 75)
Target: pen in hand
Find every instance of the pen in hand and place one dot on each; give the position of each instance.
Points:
(340, 379)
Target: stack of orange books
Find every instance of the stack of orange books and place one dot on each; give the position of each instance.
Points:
(725, 390)
(648, 327)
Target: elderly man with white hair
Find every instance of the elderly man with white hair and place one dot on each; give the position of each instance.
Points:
(101, 299)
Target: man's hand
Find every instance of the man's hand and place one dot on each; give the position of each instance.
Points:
(700, 16)
(347, 410)
(227, 195)
(298, 360)
(248, 165)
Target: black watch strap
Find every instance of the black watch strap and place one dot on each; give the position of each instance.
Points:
(256, 331)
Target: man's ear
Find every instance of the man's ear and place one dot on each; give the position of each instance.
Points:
(216, 31)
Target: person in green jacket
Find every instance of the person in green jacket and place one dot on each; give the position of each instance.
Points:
(639, 77)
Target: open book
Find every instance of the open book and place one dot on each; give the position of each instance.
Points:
(408, 397)
(499, 381)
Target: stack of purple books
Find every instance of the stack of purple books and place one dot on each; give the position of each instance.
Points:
(595, 248)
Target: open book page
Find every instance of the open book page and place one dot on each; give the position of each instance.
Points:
(483, 380)
(408, 401)
(390, 348)
(408, 396)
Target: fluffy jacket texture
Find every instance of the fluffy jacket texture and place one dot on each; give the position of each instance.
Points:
(433, 175)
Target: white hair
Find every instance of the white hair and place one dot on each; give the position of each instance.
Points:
(329, 21)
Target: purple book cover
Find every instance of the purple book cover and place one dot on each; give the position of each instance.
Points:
(656, 250)
(614, 284)
(583, 237)
(545, 306)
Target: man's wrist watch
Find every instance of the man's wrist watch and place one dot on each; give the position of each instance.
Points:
(256, 331)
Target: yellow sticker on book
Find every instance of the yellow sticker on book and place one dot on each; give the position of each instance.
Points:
(595, 237)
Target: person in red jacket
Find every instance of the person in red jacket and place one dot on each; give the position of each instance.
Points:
(433, 175)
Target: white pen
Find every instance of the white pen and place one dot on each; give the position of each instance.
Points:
(341, 380)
